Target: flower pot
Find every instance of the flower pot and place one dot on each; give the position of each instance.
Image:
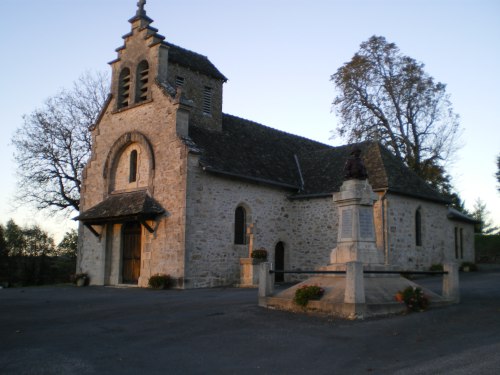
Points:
(80, 282)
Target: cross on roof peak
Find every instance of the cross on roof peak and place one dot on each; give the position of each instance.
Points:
(140, 7)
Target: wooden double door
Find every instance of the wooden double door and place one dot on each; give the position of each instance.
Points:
(131, 255)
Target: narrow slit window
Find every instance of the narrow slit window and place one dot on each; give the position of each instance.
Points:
(207, 101)
(461, 234)
(133, 166)
(239, 226)
(124, 88)
(418, 228)
(142, 87)
(456, 242)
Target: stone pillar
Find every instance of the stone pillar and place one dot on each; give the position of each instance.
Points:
(266, 282)
(354, 283)
(356, 234)
(249, 272)
(250, 239)
(451, 287)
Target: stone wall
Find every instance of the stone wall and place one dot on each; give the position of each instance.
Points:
(437, 234)
(212, 258)
(307, 228)
(314, 228)
(163, 251)
(194, 84)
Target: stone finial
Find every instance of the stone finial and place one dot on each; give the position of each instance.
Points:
(354, 167)
(140, 8)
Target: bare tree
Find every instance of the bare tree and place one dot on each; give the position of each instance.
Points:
(388, 97)
(53, 145)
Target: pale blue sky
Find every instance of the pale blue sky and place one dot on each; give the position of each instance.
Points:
(278, 56)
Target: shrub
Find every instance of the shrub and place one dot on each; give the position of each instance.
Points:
(260, 254)
(306, 293)
(81, 277)
(159, 281)
(414, 298)
(468, 266)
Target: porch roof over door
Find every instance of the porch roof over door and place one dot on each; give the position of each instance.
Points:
(121, 207)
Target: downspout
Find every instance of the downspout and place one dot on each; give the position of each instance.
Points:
(385, 233)
(300, 172)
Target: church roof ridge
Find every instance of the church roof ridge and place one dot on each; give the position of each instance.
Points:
(251, 122)
(253, 151)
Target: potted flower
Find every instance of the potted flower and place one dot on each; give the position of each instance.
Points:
(81, 279)
(259, 254)
(414, 298)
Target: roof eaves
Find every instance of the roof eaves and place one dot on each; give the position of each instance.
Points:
(456, 215)
(250, 178)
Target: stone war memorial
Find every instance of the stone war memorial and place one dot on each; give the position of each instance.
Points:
(174, 186)
(361, 284)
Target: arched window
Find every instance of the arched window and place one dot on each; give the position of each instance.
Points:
(239, 226)
(142, 86)
(418, 228)
(124, 88)
(132, 177)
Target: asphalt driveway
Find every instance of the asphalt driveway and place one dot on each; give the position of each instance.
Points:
(104, 330)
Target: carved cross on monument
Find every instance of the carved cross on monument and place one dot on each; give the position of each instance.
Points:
(250, 239)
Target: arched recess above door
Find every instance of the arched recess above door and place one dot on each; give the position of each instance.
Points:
(117, 149)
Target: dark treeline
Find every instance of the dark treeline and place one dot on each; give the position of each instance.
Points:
(29, 256)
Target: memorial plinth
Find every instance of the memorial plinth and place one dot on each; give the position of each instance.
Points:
(356, 234)
(350, 293)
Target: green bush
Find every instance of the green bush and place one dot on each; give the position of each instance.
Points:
(159, 281)
(306, 293)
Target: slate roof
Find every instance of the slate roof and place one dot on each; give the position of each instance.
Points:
(248, 150)
(121, 207)
(193, 61)
(453, 214)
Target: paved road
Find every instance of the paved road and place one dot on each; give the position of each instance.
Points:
(100, 330)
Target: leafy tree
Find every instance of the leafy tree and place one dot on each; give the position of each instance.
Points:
(28, 241)
(3, 243)
(69, 244)
(53, 145)
(481, 214)
(386, 96)
(14, 238)
(37, 242)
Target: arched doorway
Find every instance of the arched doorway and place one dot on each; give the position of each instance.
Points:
(131, 266)
(279, 261)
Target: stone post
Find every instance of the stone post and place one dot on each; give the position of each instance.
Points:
(250, 239)
(451, 287)
(354, 283)
(266, 283)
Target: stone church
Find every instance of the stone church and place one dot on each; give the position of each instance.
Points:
(175, 186)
